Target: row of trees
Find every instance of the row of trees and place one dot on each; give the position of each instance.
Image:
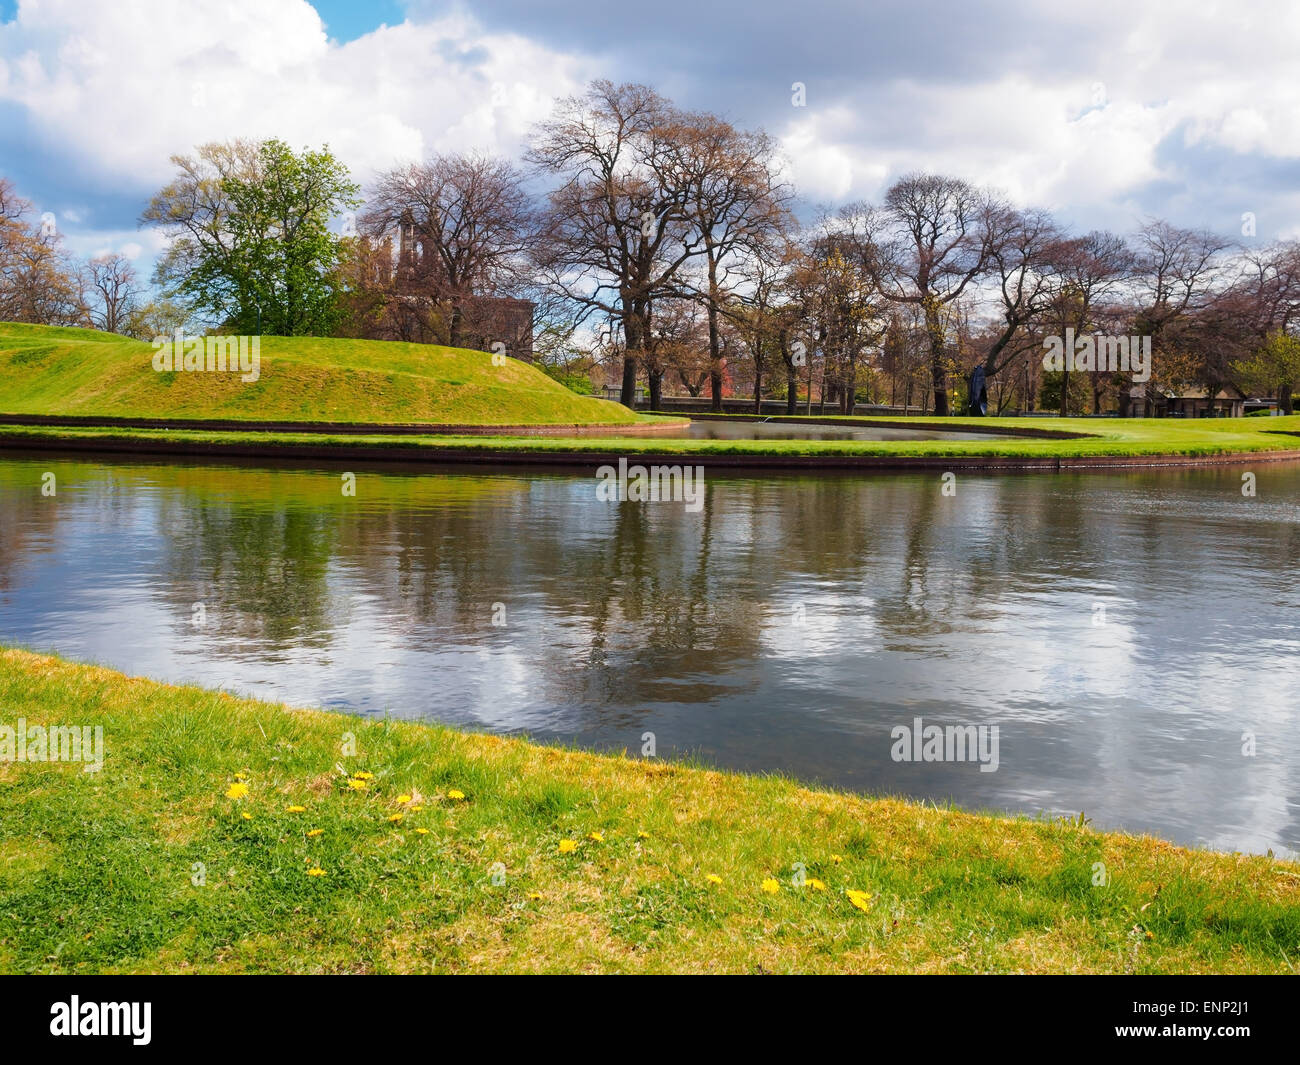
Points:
(665, 241)
(41, 283)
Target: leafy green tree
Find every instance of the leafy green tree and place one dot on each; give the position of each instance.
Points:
(251, 246)
(1274, 367)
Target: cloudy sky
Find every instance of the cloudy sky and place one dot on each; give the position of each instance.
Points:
(1104, 112)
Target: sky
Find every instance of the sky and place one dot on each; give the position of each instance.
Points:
(1107, 113)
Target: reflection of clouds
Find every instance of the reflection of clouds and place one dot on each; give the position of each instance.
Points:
(818, 625)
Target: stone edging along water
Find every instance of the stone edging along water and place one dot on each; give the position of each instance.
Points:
(504, 456)
(77, 421)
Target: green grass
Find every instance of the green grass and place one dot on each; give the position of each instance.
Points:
(101, 871)
(1109, 437)
(45, 370)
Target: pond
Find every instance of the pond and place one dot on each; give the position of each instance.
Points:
(747, 430)
(1131, 636)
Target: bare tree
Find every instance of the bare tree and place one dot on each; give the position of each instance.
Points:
(109, 282)
(615, 235)
(462, 224)
(37, 283)
(932, 240)
(735, 203)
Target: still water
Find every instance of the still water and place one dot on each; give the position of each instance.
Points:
(757, 430)
(1129, 634)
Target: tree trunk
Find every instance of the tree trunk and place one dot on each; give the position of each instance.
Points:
(715, 343)
(938, 379)
(635, 330)
(627, 392)
(656, 389)
(1284, 399)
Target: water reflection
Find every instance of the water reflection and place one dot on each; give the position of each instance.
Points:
(1123, 630)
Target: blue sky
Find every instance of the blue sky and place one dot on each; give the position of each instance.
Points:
(1106, 113)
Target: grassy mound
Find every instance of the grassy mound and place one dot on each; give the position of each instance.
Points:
(46, 370)
(230, 835)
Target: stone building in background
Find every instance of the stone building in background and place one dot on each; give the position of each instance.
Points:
(401, 294)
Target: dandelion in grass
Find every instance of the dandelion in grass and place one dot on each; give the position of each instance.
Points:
(364, 775)
(815, 884)
(568, 846)
(316, 871)
(422, 831)
(770, 886)
(403, 799)
(246, 816)
(237, 790)
(241, 776)
(643, 835)
(837, 858)
(860, 900)
(416, 809)
(314, 833)
(713, 878)
(357, 784)
(455, 796)
(395, 818)
(599, 837)
(534, 895)
(295, 809)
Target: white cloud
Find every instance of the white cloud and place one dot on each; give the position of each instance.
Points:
(123, 87)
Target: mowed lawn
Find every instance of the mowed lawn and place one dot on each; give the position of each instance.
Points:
(46, 370)
(1104, 437)
(224, 834)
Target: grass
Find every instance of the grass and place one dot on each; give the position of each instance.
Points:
(1108, 437)
(150, 866)
(47, 370)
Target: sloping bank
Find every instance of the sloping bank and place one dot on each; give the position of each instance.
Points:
(225, 834)
(1068, 444)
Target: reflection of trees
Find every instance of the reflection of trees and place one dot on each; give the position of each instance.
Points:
(259, 568)
(27, 524)
(624, 605)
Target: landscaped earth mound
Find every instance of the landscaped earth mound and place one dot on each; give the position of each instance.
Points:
(56, 371)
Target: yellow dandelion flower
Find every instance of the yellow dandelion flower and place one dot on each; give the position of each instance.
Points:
(837, 858)
(455, 795)
(416, 809)
(860, 899)
(246, 816)
(713, 878)
(815, 884)
(314, 832)
(422, 831)
(568, 846)
(241, 776)
(316, 872)
(599, 837)
(296, 809)
(643, 835)
(357, 785)
(403, 798)
(395, 817)
(770, 886)
(364, 775)
(534, 895)
(237, 790)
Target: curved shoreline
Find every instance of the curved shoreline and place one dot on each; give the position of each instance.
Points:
(501, 456)
(922, 424)
(77, 421)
